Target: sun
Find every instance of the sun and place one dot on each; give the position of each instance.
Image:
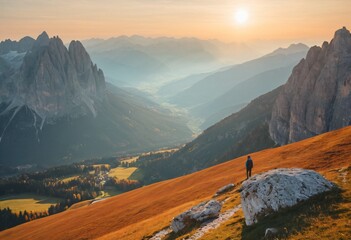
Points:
(241, 16)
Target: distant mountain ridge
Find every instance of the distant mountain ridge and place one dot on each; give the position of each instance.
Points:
(134, 60)
(293, 48)
(20, 46)
(56, 108)
(241, 94)
(220, 93)
(218, 83)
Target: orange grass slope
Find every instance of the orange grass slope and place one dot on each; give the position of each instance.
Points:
(143, 211)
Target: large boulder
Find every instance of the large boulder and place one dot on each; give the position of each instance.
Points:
(277, 189)
(197, 214)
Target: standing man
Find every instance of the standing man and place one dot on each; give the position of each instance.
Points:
(249, 166)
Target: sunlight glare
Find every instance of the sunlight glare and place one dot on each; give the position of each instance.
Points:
(241, 16)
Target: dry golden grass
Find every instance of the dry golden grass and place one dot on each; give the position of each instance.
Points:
(121, 173)
(165, 150)
(326, 216)
(100, 165)
(67, 179)
(109, 192)
(142, 212)
(81, 204)
(135, 158)
(129, 160)
(28, 202)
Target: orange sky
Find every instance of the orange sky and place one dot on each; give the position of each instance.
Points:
(309, 21)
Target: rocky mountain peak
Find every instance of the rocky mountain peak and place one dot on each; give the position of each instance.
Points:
(317, 96)
(54, 81)
(79, 56)
(42, 40)
(342, 41)
(341, 34)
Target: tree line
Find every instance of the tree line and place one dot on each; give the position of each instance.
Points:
(86, 186)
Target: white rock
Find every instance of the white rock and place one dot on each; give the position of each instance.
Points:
(280, 188)
(224, 189)
(161, 234)
(213, 224)
(198, 213)
(270, 232)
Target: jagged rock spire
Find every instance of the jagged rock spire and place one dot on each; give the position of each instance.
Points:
(54, 82)
(317, 96)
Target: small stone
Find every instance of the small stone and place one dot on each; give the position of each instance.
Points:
(271, 232)
(225, 189)
(199, 213)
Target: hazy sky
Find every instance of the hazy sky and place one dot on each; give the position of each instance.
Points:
(279, 20)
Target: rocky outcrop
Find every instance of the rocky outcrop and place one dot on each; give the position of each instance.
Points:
(91, 79)
(277, 189)
(197, 214)
(271, 233)
(317, 96)
(225, 189)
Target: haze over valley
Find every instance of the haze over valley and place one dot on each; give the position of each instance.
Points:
(168, 120)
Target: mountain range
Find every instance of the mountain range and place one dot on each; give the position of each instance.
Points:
(56, 108)
(218, 83)
(214, 96)
(315, 99)
(136, 60)
(20, 46)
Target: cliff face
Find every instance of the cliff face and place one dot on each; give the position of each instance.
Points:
(53, 81)
(317, 96)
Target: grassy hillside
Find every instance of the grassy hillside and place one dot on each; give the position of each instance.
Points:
(121, 172)
(28, 202)
(144, 211)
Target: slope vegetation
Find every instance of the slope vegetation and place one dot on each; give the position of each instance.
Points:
(144, 211)
(241, 133)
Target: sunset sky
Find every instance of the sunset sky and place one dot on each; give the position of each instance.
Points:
(268, 20)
